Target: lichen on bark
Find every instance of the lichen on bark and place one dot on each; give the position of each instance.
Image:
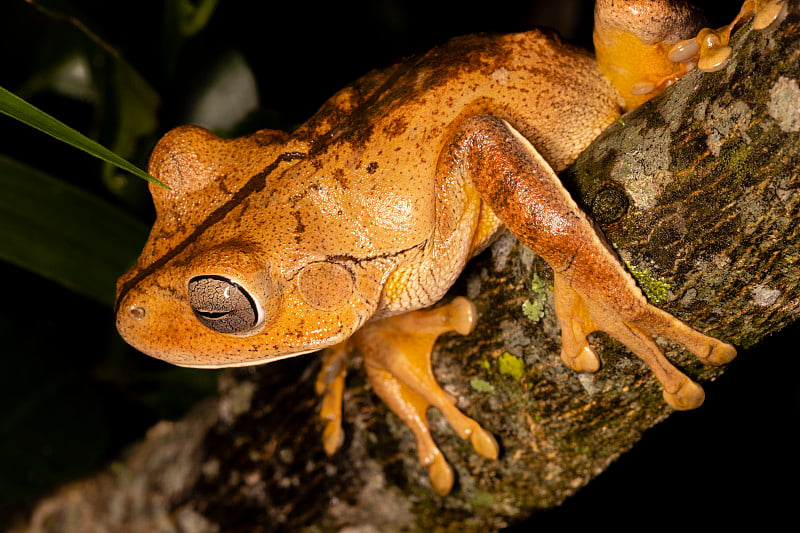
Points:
(698, 187)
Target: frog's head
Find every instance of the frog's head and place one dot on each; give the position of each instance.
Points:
(226, 277)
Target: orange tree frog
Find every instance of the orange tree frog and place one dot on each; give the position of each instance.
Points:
(337, 235)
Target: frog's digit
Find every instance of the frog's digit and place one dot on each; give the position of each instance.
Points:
(645, 46)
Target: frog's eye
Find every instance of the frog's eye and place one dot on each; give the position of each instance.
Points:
(222, 304)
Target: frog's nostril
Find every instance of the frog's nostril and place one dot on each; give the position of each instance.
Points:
(136, 312)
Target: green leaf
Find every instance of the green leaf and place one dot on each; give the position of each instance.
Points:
(17, 108)
(64, 233)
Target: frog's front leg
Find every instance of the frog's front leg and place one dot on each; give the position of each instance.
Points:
(397, 357)
(592, 289)
(330, 385)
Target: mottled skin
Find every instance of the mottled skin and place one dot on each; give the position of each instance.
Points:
(274, 244)
(360, 184)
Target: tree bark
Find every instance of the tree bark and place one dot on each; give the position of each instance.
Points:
(698, 192)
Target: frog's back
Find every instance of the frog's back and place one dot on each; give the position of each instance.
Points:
(550, 91)
(380, 141)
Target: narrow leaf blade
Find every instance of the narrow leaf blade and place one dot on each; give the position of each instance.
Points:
(16, 107)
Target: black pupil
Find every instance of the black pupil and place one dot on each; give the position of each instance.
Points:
(210, 314)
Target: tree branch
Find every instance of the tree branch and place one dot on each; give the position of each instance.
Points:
(697, 191)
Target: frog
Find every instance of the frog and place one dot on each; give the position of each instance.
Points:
(346, 234)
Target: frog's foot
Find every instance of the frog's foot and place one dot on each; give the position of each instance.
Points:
(330, 385)
(580, 315)
(576, 325)
(397, 357)
(632, 41)
(710, 49)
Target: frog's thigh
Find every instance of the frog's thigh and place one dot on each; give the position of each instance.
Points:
(397, 355)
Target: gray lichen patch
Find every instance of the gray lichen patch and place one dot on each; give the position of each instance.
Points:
(674, 113)
(729, 120)
(643, 168)
(379, 507)
(501, 250)
(589, 383)
(237, 401)
(764, 296)
(784, 104)
(514, 335)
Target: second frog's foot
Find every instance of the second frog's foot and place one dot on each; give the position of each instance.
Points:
(397, 357)
(642, 49)
(710, 49)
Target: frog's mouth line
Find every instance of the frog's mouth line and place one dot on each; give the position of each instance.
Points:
(249, 363)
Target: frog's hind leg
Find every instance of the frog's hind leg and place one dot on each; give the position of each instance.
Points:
(580, 316)
(707, 349)
(397, 357)
(593, 291)
(680, 392)
(579, 319)
(577, 322)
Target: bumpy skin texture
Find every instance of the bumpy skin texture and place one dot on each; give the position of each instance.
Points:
(274, 245)
(651, 21)
(358, 185)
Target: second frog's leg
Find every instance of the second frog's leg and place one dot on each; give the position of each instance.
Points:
(642, 46)
(397, 357)
(593, 291)
(710, 50)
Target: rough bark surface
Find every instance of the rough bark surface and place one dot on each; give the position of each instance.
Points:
(697, 190)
